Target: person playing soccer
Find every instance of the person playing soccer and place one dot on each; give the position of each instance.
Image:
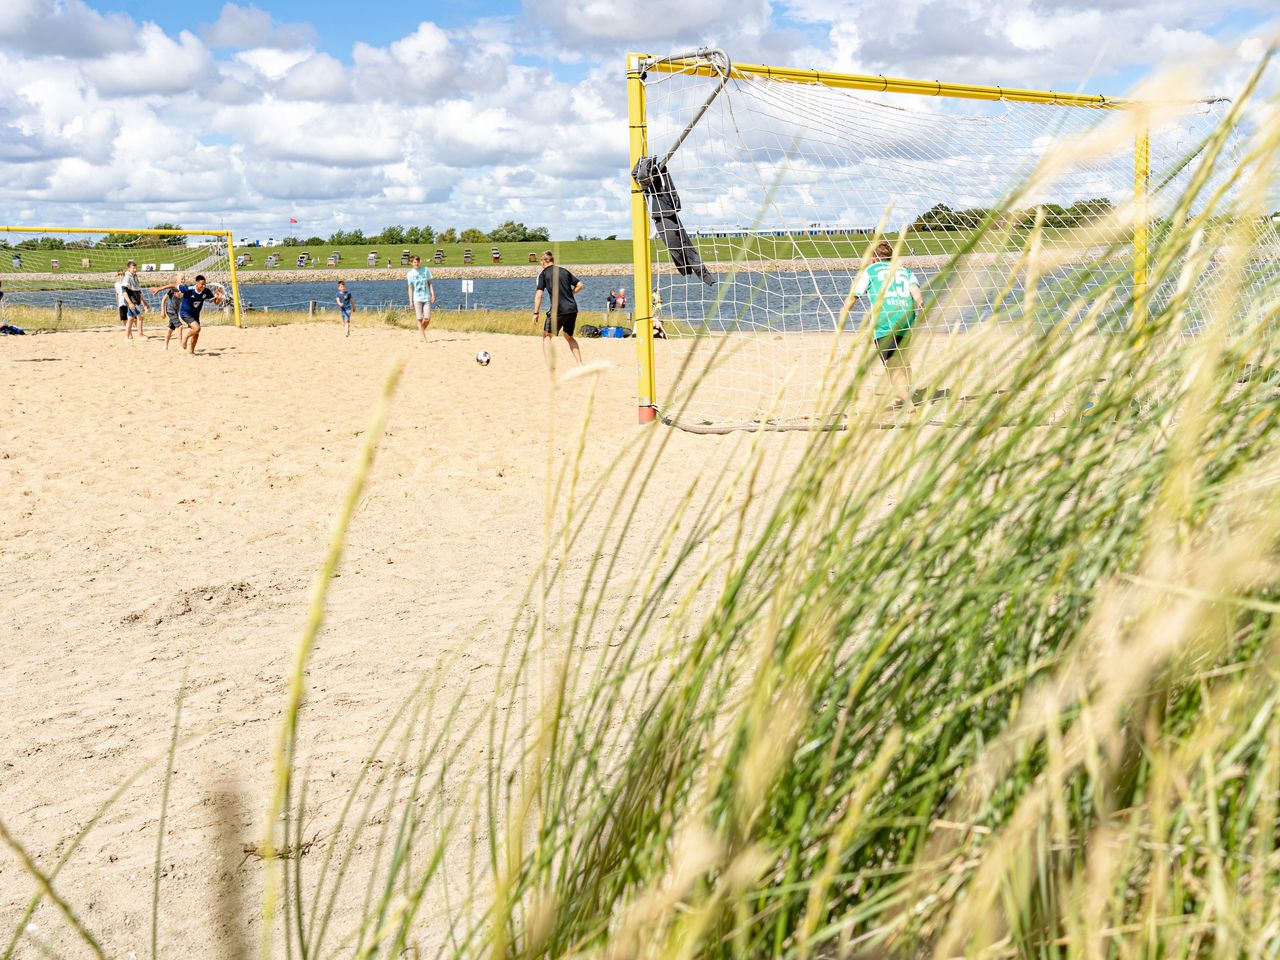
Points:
(193, 300)
(171, 310)
(897, 290)
(122, 304)
(346, 305)
(136, 304)
(422, 295)
(561, 286)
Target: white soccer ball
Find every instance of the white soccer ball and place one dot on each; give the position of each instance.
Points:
(483, 358)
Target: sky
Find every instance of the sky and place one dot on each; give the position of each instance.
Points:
(121, 113)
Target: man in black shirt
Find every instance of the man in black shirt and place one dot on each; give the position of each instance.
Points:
(561, 285)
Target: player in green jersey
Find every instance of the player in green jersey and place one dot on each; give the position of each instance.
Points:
(897, 290)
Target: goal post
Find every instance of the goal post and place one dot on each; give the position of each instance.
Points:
(64, 276)
(642, 282)
(778, 180)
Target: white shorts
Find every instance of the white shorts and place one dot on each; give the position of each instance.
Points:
(422, 310)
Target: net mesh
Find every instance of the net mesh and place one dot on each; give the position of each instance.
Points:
(785, 186)
(55, 281)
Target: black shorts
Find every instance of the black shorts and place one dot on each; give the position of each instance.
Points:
(124, 313)
(564, 321)
(890, 346)
(175, 323)
(135, 296)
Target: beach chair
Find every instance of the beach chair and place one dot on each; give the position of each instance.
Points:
(439, 257)
(333, 260)
(496, 255)
(55, 264)
(533, 258)
(16, 262)
(404, 258)
(84, 263)
(373, 258)
(467, 256)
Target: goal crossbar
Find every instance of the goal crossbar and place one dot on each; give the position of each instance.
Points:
(695, 65)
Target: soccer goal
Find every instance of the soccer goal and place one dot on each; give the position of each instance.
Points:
(61, 278)
(759, 193)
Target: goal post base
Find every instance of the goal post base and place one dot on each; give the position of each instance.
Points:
(648, 414)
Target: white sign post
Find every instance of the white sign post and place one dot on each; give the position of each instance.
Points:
(468, 288)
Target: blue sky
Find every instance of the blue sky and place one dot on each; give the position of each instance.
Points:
(469, 113)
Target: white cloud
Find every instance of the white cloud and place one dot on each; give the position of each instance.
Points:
(249, 26)
(162, 65)
(68, 28)
(102, 115)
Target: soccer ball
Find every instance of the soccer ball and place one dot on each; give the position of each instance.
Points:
(483, 358)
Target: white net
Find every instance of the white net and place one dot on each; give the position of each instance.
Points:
(784, 187)
(61, 281)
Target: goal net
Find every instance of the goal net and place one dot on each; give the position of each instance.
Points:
(65, 278)
(767, 190)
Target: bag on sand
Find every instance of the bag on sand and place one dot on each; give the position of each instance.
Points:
(590, 331)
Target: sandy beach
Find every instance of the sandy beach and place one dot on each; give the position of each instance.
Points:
(164, 513)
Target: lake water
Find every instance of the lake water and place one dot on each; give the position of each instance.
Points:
(794, 301)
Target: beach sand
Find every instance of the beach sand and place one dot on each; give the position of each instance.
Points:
(164, 514)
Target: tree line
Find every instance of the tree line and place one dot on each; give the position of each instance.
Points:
(509, 232)
(1082, 212)
(396, 235)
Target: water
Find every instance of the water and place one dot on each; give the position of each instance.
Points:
(790, 301)
(496, 293)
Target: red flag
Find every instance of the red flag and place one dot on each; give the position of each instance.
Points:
(291, 220)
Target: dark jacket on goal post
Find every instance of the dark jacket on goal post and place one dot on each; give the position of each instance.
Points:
(664, 207)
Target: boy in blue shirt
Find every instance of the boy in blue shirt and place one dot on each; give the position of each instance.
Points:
(346, 305)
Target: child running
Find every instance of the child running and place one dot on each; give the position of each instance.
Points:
(346, 305)
(171, 310)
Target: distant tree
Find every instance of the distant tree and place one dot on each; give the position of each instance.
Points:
(170, 241)
(510, 232)
(118, 240)
(449, 236)
(472, 235)
(347, 238)
(612, 236)
(290, 242)
(392, 235)
(539, 233)
(314, 241)
(43, 243)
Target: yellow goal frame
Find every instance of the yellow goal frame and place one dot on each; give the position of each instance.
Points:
(697, 64)
(225, 234)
